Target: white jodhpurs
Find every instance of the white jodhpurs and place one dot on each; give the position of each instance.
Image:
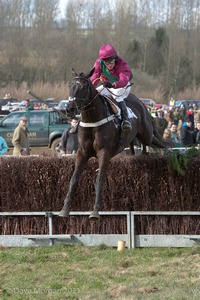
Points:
(118, 94)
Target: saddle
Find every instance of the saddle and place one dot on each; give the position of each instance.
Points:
(112, 103)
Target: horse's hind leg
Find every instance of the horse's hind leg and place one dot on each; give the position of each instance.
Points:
(79, 167)
(132, 148)
(144, 149)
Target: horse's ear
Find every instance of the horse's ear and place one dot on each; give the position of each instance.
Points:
(90, 73)
(74, 74)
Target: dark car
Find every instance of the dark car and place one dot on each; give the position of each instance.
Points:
(186, 102)
(5, 101)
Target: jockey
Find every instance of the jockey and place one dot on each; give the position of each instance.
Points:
(114, 73)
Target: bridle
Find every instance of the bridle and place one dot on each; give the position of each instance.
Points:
(84, 100)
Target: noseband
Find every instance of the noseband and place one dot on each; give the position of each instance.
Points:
(83, 100)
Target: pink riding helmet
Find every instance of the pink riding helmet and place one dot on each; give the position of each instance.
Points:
(107, 51)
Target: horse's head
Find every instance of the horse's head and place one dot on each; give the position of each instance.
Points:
(80, 90)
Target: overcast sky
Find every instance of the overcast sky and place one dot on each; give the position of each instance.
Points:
(63, 6)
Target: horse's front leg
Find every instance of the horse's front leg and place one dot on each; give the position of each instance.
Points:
(104, 159)
(81, 161)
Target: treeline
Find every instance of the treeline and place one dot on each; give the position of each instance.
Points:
(159, 39)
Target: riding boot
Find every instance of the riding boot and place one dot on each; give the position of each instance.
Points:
(126, 125)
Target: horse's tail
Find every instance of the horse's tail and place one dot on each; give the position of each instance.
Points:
(158, 143)
(157, 139)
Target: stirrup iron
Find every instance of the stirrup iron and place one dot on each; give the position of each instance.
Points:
(126, 125)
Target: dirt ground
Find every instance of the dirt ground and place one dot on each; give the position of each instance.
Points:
(41, 151)
(36, 151)
(44, 151)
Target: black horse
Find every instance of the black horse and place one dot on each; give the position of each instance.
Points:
(100, 133)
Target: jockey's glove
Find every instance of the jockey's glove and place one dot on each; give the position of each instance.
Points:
(107, 84)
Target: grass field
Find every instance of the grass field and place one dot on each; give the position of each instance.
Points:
(99, 273)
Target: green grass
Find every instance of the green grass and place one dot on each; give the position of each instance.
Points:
(99, 273)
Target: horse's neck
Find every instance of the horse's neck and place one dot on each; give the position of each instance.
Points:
(96, 110)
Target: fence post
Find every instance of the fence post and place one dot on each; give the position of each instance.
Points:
(129, 228)
(133, 229)
(50, 227)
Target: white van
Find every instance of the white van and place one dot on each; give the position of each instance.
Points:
(62, 105)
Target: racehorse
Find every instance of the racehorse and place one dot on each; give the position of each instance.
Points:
(100, 134)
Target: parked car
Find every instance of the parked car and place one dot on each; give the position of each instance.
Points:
(62, 105)
(186, 102)
(161, 106)
(45, 127)
(148, 102)
(3, 113)
(51, 102)
(158, 106)
(52, 105)
(17, 106)
(6, 101)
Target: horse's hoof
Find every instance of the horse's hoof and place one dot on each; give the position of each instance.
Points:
(63, 213)
(145, 153)
(94, 216)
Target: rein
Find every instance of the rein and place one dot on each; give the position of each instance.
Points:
(84, 105)
(121, 94)
(92, 100)
(86, 95)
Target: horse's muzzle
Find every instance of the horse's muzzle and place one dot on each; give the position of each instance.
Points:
(71, 112)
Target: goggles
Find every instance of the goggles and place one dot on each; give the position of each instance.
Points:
(109, 62)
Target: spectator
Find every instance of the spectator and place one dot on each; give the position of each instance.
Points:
(175, 136)
(28, 105)
(7, 96)
(149, 108)
(196, 134)
(182, 111)
(20, 139)
(69, 140)
(3, 146)
(186, 133)
(167, 137)
(172, 102)
(177, 115)
(160, 123)
(190, 115)
(196, 117)
(194, 105)
(169, 116)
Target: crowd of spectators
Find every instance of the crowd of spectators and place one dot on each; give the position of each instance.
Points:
(178, 127)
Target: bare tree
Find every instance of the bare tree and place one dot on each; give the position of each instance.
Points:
(37, 45)
(44, 39)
